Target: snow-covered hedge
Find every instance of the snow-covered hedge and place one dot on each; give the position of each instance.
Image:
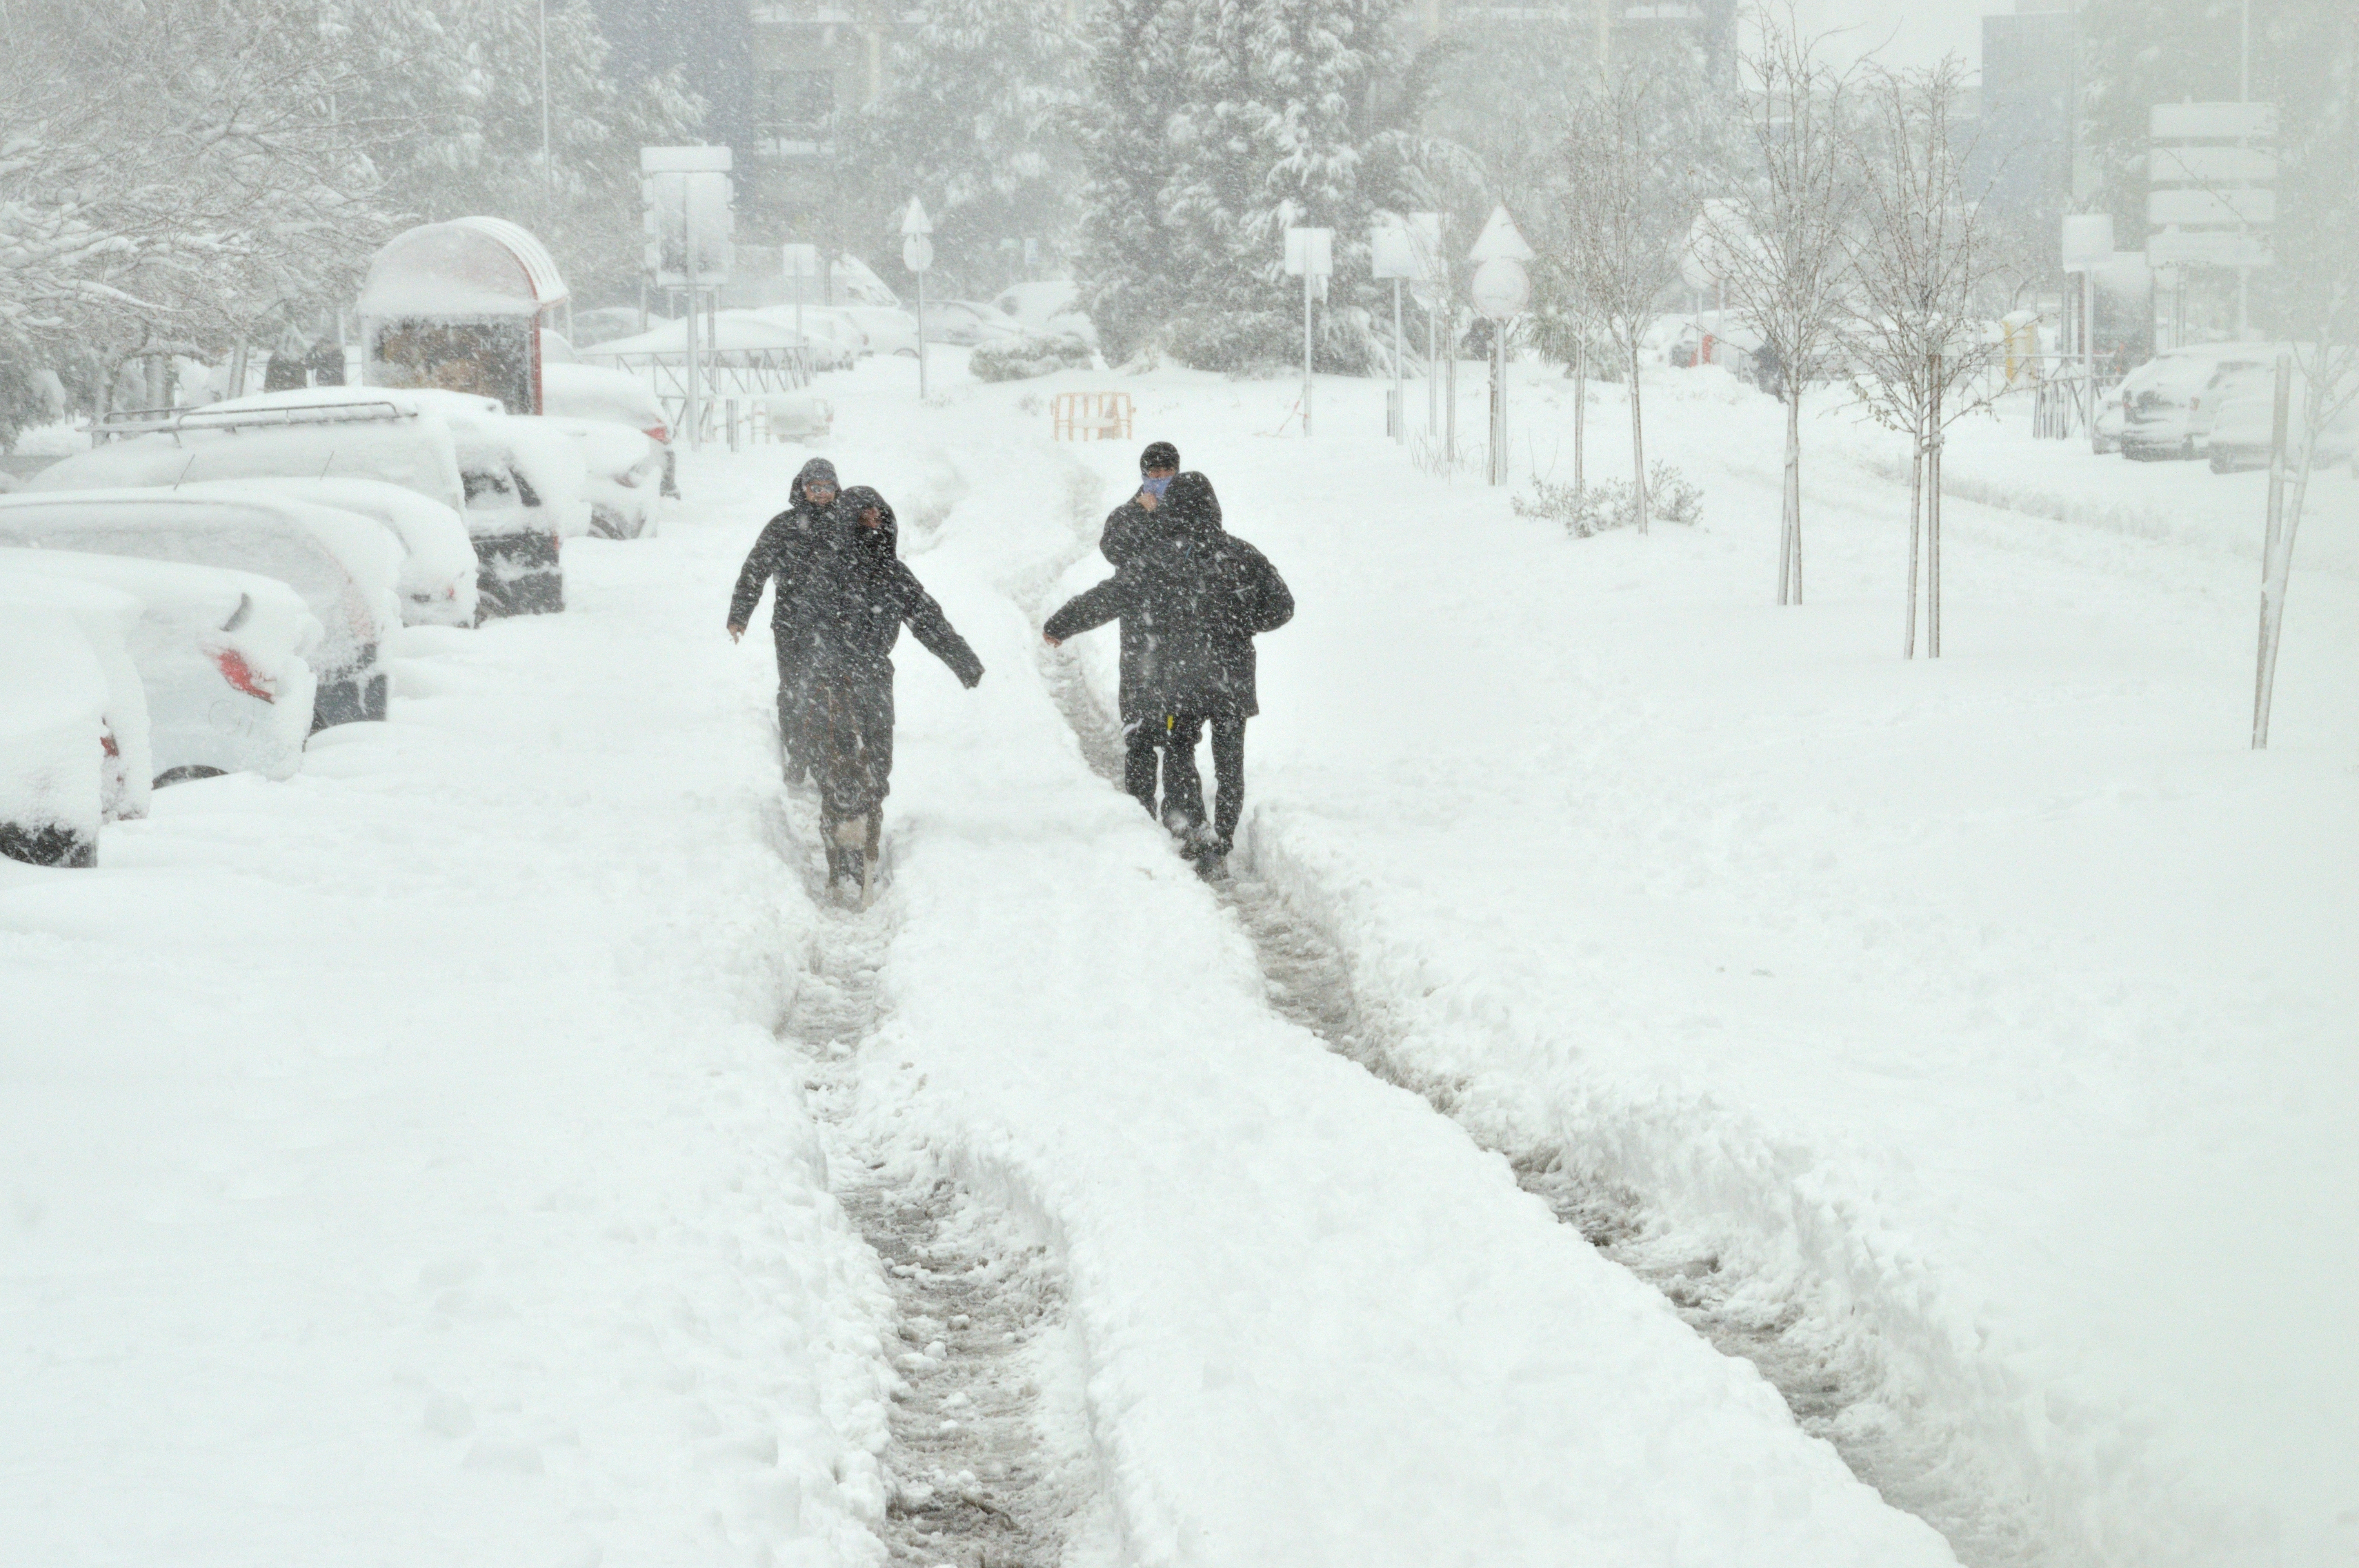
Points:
(1026, 357)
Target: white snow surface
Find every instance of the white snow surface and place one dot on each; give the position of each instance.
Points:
(399, 1164)
(405, 1154)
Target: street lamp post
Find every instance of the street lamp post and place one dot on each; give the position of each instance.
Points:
(548, 169)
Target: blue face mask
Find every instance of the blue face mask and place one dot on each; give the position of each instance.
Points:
(1156, 487)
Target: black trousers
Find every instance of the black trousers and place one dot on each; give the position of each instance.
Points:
(794, 700)
(848, 727)
(1168, 744)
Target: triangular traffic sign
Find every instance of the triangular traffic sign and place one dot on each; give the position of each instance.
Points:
(1500, 241)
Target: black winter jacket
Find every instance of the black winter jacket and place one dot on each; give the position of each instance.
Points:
(860, 593)
(784, 551)
(1194, 598)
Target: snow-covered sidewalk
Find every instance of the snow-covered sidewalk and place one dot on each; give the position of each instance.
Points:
(399, 1166)
(1315, 1324)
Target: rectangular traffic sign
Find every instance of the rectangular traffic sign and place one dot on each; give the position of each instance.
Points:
(2214, 121)
(2213, 166)
(2210, 207)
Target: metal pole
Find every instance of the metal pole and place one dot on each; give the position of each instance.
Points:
(921, 337)
(2264, 667)
(1498, 402)
(1449, 392)
(1305, 342)
(691, 406)
(1432, 374)
(2089, 348)
(1400, 386)
(548, 170)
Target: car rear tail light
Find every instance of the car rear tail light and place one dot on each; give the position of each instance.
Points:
(106, 743)
(658, 433)
(235, 671)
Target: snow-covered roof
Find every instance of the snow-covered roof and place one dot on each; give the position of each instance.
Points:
(468, 267)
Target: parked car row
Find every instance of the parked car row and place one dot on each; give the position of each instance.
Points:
(2215, 401)
(200, 597)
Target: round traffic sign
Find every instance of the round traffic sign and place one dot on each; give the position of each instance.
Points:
(917, 252)
(1501, 288)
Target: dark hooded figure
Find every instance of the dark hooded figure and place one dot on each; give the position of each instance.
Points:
(1197, 597)
(784, 552)
(1128, 524)
(859, 595)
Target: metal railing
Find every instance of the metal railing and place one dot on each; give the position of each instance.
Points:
(725, 372)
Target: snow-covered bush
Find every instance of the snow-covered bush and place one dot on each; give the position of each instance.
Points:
(1670, 499)
(1021, 359)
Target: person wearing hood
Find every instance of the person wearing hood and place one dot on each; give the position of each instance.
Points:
(861, 593)
(784, 552)
(1198, 596)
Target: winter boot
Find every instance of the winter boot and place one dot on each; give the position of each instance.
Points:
(850, 855)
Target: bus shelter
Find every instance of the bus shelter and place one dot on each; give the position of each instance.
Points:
(461, 306)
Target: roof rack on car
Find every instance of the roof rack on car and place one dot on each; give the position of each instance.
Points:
(141, 421)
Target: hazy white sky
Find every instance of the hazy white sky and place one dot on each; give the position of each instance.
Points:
(1911, 32)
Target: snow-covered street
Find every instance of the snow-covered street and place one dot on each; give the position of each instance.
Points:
(478, 1149)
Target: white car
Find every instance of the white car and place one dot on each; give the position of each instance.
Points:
(614, 396)
(223, 657)
(1046, 308)
(346, 567)
(2170, 402)
(352, 432)
(888, 329)
(73, 718)
(966, 324)
(2244, 430)
(526, 494)
(623, 473)
(437, 573)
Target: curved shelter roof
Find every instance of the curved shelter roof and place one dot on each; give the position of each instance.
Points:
(468, 267)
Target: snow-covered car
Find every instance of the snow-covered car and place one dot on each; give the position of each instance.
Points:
(2246, 428)
(1046, 310)
(2105, 430)
(2170, 402)
(223, 657)
(350, 432)
(60, 752)
(888, 329)
(526, 485)
(346, 567)
(964, 323)
(623, 473)
(105, 618)
(438, 571)
(835, 343)
(618, 397)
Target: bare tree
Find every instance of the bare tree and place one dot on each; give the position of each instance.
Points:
(1781, 244)
(1629, 199)
(1923, 262)
(2314, 290)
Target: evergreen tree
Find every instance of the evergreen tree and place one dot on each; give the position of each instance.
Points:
(976, 125)
(1122, 132)
(1270, 114)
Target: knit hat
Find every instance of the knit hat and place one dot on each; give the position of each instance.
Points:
(1159, 455)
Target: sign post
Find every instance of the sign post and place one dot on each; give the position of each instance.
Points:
(1425, 237)
(2088, 243)
(688, 196)
(1396, 250)
(2209, 194)
(1500, 291)
(918, 255)
(1310, 253)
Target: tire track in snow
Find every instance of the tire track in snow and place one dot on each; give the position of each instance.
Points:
(974, 1476)
(1308, 982)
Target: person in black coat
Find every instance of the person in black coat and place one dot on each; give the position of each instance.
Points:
(784, 552)
(858, 594)
(1128, 529)
(1198, 596)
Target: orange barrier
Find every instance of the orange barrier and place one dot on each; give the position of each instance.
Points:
(1092, 416)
